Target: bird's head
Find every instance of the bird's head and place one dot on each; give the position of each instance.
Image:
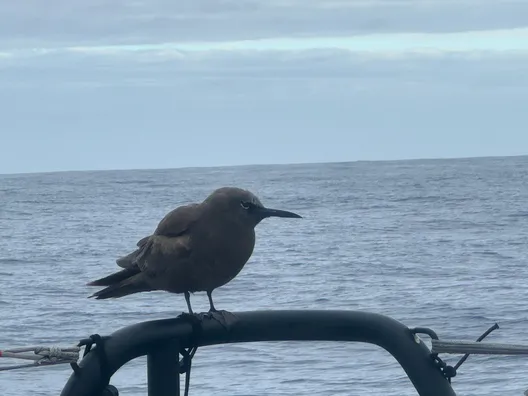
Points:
(245, 205)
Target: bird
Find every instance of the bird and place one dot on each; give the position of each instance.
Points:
(195, 248)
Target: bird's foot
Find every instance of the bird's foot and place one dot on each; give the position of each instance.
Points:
(225, 318)
(192, 318)
(195, 320)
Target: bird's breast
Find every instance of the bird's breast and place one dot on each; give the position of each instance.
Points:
(221, 256)
(234, 247)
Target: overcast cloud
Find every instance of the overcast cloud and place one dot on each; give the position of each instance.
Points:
(59, 22)
(100, 84)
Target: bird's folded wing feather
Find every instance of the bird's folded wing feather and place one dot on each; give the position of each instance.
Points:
(178, 221)
(175, 225)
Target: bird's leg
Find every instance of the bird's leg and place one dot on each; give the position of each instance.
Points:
(188, 301)
(211, 304)
(223, 317)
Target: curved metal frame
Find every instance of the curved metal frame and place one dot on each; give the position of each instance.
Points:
(154, 337)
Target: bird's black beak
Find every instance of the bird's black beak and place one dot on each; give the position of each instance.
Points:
(267, 212)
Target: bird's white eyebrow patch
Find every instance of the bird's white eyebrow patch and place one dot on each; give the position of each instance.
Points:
(255, 201)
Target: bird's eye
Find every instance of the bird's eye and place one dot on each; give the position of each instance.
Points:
(245, 205)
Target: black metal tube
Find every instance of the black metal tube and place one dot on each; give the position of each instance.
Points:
(163, 370)
(142, 338)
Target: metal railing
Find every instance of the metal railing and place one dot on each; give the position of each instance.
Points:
(163, 341)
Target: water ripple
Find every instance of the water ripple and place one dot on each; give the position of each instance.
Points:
(431, 243)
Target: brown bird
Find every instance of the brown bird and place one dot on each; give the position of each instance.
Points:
(196, 247)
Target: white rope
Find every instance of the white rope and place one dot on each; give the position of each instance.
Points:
(41, 356)
(481, 348)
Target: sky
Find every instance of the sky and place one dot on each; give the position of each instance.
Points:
(115, 84)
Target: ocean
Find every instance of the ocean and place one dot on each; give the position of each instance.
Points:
(436, 243)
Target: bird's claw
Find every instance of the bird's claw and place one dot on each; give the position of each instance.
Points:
(192, 318)
(225, 318)
(187, 315)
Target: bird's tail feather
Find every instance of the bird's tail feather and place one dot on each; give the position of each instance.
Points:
(123, 288)
(128, 260)
(115, 277)
(134, 259)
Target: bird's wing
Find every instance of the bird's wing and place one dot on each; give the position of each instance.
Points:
(178, 221)
(175, 224)
(142, 241)
(163, 252)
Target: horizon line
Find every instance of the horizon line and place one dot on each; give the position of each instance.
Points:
(413, 159)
